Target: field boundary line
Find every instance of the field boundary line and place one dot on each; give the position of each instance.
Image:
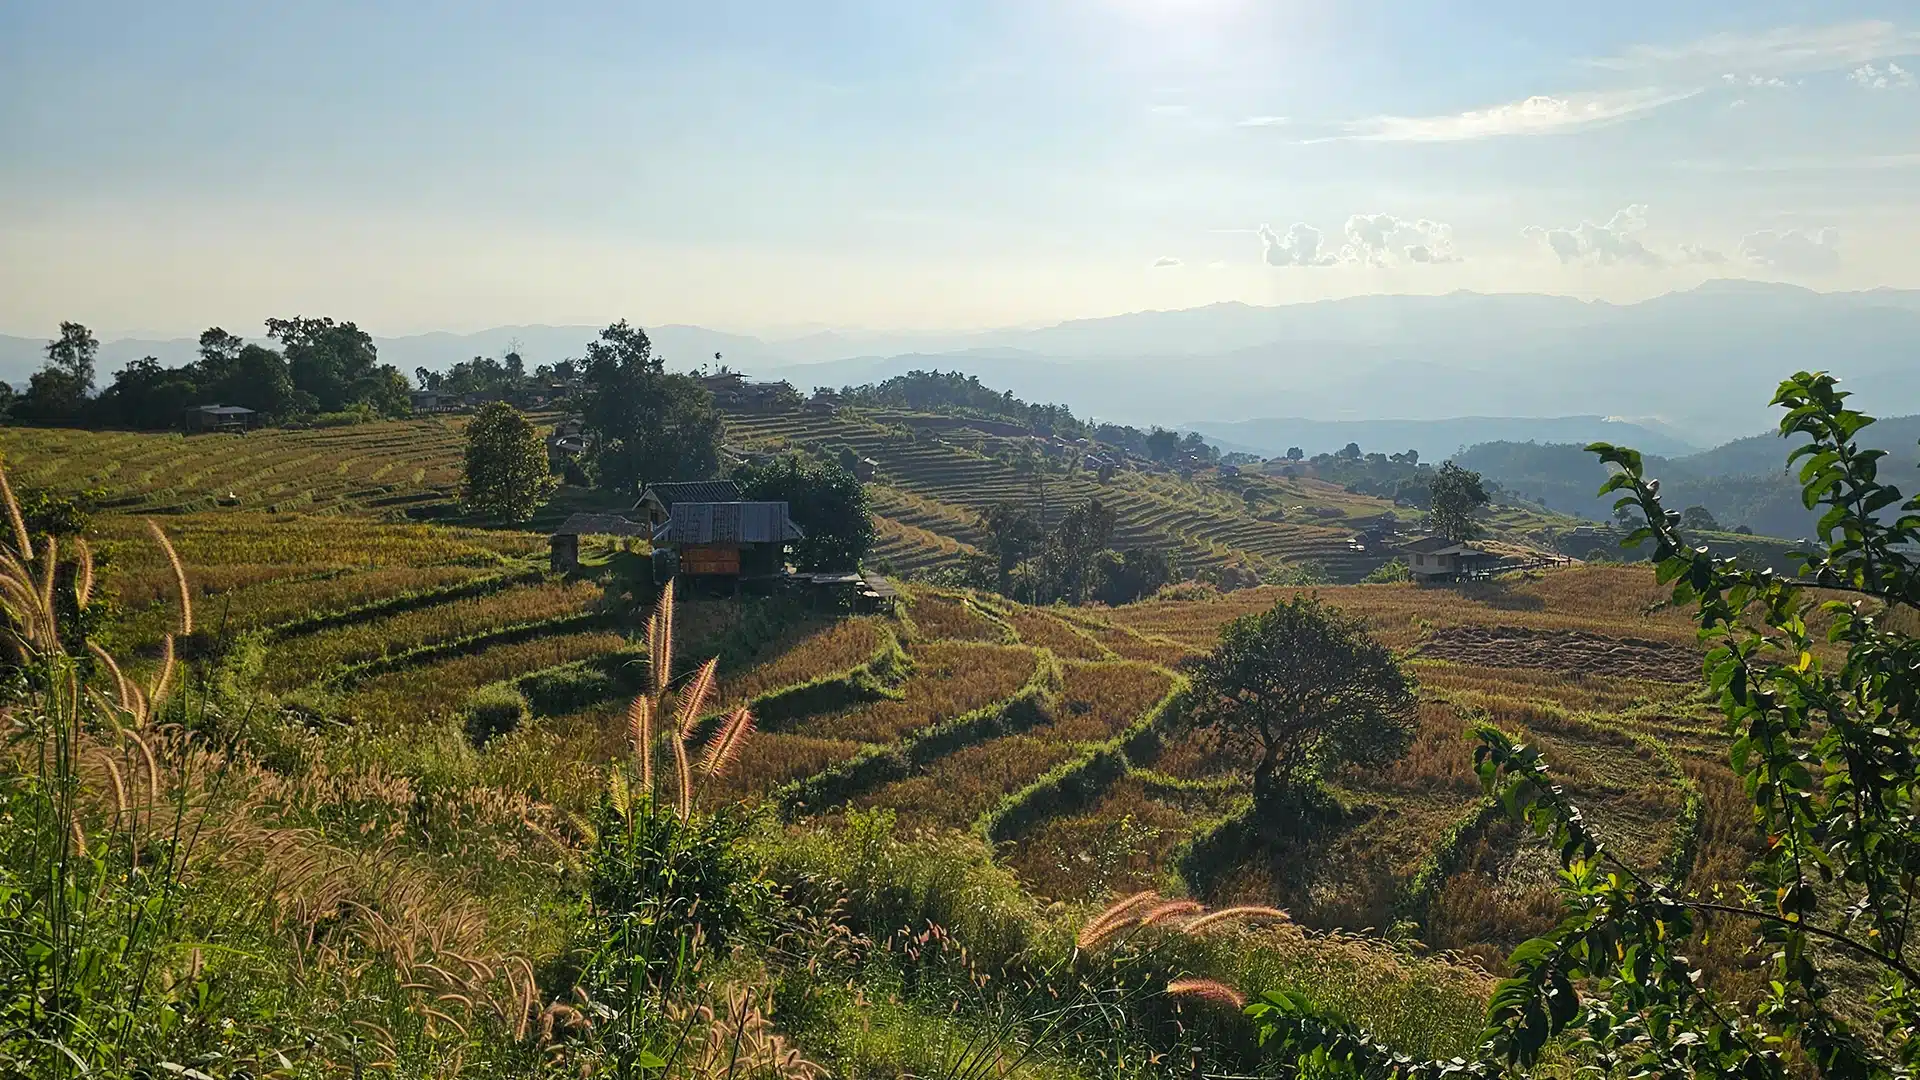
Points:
(876, 764)
(401, 603)
(352, 675)
(1082, 779)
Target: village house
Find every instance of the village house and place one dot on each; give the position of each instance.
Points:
(1433, 559)
(738, 540)
(220, 418)
(656, 502)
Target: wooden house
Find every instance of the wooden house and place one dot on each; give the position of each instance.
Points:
(1435, 559)
(220, 418)
(726, 539)
(656, 502)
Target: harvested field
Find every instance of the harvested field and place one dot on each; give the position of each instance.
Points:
(940, 617)
(809, 651)
(950, 679)
(961, 786)
(1572, 652)
(1097, 701)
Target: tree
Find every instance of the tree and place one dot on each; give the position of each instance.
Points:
(1822, 745)
(643, 425)
(825, 500)
(1163, 445)
(1067, 557)
(1012, 536)
(330, 361)
(1457, 493)
(145, 394)
(1697, 519)
(506, 475)
(1121, 577)
(1294, 453)
(72, 354)
(1308, 689)
(1349, 452)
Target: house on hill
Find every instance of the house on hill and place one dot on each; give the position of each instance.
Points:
(724, 539)
(656, 502)
(219, 418)
(1433, 559)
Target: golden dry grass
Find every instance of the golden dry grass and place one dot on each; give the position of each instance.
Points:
(963, 785)
(944, 617)
(809, 652)
(1039, 628)
(949, 679)
(773, 758)
(1098, 700)
(423, 694)
(303, 659)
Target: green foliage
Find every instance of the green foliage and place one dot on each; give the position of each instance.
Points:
(336, 365)
(1823, 743)
(1388, 573)
(1308, 689)
(493, 710)
(1457, 495)
(506, 475)
(644, 425)
(825, 499)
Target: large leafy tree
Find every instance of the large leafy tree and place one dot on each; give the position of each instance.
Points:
(643, 424)
(506, 475)
(337, 364)
(1457, 495)
(826, 501)
(1306, 688)
(1012, 535)
(59, 390)
(1822, 737)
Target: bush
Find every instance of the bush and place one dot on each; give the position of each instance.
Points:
(1388, 574)
(495, 709)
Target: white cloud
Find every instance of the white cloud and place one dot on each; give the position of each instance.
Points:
(1694, 253)
(1773, 82)
(1617, 241)
(1786, 50)
(1793, 250)
(1165, 260)
(1265, 121)
(1891, 77)
(1300, 247)
(1537, 115)
(1378, 239)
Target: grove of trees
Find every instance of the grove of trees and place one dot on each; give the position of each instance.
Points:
(1074, 562)
(321, 367)
(643, 424)
(825, 500)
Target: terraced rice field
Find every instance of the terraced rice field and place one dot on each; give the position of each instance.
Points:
(928, 490)
(365, 468)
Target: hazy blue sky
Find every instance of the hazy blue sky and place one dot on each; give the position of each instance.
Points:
(764, 164)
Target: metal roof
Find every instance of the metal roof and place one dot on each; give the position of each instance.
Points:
(707, 491)
(728, 523)
(600, 525)
(1428, 545)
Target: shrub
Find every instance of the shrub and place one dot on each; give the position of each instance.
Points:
(495, 709)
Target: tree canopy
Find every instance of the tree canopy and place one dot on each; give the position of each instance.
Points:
(506, 475)
(1307, 688)
(826, 501)
(1457, 495)
(644, 425)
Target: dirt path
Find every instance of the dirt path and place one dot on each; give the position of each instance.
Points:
(1574, 652)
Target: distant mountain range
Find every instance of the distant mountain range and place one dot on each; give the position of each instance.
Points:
(1693, 368)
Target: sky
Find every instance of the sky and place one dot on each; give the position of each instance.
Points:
(767, 166)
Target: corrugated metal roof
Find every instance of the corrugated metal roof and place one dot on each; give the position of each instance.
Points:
(728, 523)
(705, 491)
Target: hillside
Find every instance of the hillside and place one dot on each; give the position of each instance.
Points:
(1744, 482)
(430, 715)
